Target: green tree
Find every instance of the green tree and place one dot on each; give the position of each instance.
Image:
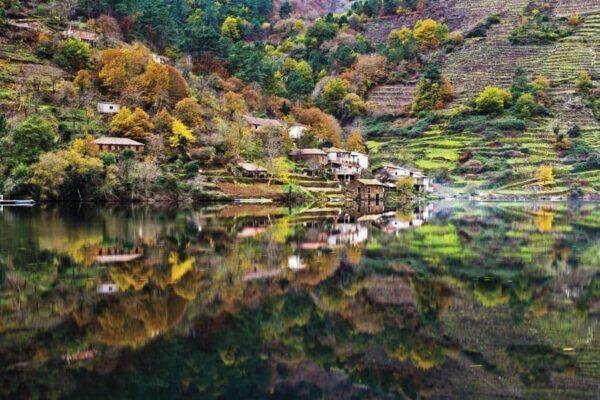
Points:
(334, 92)
(73, 54)
(429, 33)
(492, 100)
(232, 28)
(286, 9)
(32, 137)
(320, 32)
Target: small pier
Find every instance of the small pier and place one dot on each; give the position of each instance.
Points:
(15, 203)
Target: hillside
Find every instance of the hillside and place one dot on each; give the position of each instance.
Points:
(398, 78)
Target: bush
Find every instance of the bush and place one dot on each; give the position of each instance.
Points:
(574, 131)
(510, 124)
(525, 105)
(492, 100)
(591, 164)
(73, 54)
(429, 34)
(109, 159)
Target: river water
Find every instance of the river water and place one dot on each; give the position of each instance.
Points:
(450, 300)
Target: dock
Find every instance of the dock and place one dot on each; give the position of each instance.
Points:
(13, 202)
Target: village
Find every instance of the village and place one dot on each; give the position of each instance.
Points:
(350, 171)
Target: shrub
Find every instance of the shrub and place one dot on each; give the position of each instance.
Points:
(525, 105)
(429, 34)
(109, 159)
(73, 54)
(584, 82)
(510, 124)
(575, 20)
(574, 131)
(492, 100)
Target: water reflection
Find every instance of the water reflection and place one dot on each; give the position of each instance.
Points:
(447, 300)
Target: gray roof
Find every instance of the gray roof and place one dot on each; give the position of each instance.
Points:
(263, 121)
(369, 182)
(251, 167)
(308, 152)
(117, 141)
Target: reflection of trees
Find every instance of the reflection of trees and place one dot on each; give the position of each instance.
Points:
(187, 308)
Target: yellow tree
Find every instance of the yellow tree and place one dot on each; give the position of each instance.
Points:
(153, 84)
(181, 135)
(119, 66)
(545, 174)
(429, 33)
(232, 28)
(234, 103)
(189, 112)
(134, 125)
(355, 141)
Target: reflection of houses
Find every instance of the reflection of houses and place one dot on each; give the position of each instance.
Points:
(105, 107)
(115, 144)
(118, 255)
(252, 170)
(392, 173)
(295, 263)
(396, 222)
(370, 208)
(333, 236)
(348, 234)
(257, 123)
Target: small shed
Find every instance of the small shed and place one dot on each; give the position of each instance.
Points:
(105, 107)
(116, 144)
(256, 123)
(107, 288)
(252, 170)
(370, 190)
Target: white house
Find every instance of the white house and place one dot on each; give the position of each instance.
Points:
(159, 59)
(361, 159)
(108, 108)
(392, 173)
(107, 288)
(297, 131)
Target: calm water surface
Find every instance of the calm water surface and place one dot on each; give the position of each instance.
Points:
(451, 301)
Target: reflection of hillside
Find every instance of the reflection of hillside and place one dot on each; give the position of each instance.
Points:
(444, 309)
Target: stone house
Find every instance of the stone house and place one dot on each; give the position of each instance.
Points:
(257, 123)
(314, 160)
(369, 190)
(252, 170)
(392, 173)
(116, 144)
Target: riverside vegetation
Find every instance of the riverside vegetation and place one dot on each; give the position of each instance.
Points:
(480, 97)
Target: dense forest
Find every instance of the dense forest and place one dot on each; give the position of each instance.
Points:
(186, 73)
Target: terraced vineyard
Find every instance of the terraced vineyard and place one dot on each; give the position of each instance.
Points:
(492, 60)
(391, 99)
